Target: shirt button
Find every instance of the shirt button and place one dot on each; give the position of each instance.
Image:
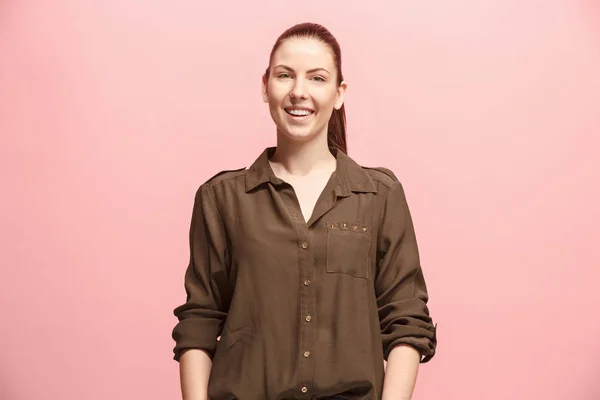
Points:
(308, 318)
(306, 282)
(304, 245)
(307, 354)
(304, 389)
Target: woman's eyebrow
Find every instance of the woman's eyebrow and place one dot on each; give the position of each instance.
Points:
(309, 71)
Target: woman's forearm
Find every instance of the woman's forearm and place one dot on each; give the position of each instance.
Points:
(194, 371)
(401, 373)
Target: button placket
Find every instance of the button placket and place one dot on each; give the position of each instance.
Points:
(306, 275)
(308, 308)
(307, 305)
(306, 270)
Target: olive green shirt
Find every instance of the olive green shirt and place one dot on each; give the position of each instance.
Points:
(304, 310)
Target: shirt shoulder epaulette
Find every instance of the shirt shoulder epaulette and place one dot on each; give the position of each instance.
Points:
(225, 174)
(383, 175)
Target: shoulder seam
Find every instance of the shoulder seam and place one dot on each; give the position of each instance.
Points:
(215, 178)
(387, 173)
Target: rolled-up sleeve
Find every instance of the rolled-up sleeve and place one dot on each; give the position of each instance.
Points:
(400, 285)
(202, 315)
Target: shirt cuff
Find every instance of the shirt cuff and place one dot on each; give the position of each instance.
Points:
(425, 344)
(196, 333)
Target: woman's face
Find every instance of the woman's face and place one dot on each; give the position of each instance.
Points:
(302, 88)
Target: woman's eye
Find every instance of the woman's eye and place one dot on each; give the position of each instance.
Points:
(283, 75)
(319, 78)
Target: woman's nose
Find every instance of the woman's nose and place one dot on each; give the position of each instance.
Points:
(298, 91)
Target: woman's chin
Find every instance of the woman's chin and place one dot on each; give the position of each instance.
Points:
(300, 134)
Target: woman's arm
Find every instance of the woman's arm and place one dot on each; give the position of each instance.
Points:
(401, 373)
(407, 330)
(194, 370)
(203, 314)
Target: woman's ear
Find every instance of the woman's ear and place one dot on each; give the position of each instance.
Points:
(265, 93)
(341, 95)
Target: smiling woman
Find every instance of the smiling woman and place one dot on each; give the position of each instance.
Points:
(306, 263)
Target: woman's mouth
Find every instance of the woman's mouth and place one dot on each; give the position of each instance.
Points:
(298, 112)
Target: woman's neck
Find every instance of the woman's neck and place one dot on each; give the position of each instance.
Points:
(303, 158)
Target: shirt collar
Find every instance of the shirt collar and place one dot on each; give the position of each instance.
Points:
(351, 176)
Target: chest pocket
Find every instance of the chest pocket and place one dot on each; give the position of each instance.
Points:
(348, 248)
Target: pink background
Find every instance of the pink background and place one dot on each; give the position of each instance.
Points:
(113, 112)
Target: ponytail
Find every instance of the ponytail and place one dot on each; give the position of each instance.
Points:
(336, 130)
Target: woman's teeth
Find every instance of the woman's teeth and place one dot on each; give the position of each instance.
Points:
(299, 112)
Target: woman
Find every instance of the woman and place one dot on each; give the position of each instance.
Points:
(305, 264)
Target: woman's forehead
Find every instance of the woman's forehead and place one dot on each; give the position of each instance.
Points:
(303, 52)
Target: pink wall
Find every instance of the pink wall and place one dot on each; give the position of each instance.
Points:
(113, 112)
